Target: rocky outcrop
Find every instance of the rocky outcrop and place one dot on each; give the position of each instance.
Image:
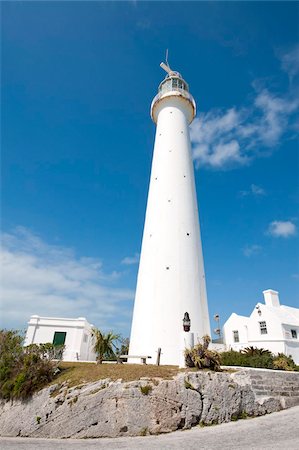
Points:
(149, 406)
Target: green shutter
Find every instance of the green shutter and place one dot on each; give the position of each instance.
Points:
(59, 338)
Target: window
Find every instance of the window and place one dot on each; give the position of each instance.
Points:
(294, 334)
(85, 337)
(59, 338)
(236, 336)
(166, 86)
(263, 327)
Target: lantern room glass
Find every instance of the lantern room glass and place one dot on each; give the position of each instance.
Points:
(173, 84)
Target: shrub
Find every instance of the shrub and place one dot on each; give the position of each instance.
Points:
(283, 362)
(247, 359)
(261, 361)
(202, 358)
(145, 390)
(256, 357)
(232, 358)
(23, 370)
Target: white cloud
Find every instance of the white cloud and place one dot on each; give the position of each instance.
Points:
(251, 250)
(257, 190)
(273, 120)
(254, 190)
(234, 137)
(48, 280)
(227, 138)
(129, 260)
(282, 229)
(290, 61)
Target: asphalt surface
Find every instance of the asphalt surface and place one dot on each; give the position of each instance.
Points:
(275, 431)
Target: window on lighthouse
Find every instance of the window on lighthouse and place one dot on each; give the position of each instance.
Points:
(173, 84)
(166, 86)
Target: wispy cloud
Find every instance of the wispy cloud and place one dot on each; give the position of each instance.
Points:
(257, 190)
(251, 250)
(290, 61)
(43, 279)
(235, 136)
(254, 190)
(130, 260)
(283, 229)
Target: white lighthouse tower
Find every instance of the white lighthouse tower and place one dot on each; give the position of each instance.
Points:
(171, 279)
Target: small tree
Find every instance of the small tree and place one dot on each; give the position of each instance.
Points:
(104, 344)
(125, 344)
(46, 351)
(23, 370)
(202, 358)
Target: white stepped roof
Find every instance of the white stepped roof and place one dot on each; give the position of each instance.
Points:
(286, 314)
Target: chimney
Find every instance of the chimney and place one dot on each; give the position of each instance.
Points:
(271, 298)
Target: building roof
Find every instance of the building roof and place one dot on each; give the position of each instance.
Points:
(293, 313)
(285, 314)
(233, 315)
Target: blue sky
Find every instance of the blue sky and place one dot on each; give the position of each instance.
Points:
(77, 82)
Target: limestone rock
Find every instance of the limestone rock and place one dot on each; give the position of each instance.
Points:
(109, 409)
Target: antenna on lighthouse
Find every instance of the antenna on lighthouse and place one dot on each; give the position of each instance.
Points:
(166, 66)
(166, 57)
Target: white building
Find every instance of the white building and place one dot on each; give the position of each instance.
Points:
(75, 334)
(270, 326)
(171, 278)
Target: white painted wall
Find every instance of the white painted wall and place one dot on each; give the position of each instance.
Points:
(171, 278)
(78, 343)
(236, 323)
(280, 320)
(292, 348)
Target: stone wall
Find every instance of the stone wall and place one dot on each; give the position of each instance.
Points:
(149, 406)
(276, 384)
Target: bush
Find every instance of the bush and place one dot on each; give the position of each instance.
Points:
(202, 358)
(259, 358)
(283, 362)
(145, 390)
(24, 370)
(233, 358)
(244, 359)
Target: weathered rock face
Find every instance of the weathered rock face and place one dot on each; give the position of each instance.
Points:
(110, 409)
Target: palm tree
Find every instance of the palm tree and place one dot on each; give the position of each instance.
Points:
(254, 351)
(103, 344)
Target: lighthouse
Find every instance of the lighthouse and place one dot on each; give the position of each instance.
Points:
(171, 277)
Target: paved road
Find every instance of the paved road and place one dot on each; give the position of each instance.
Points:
(275, 431)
